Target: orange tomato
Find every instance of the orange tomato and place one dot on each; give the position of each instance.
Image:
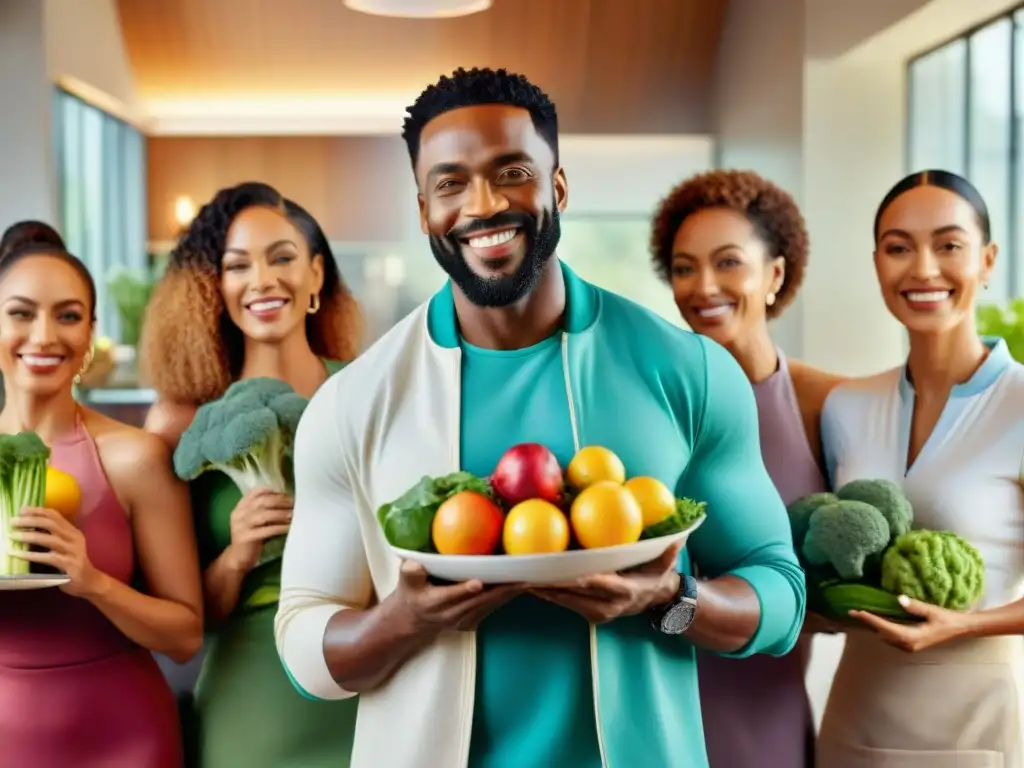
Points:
(655, 499)
(606, 515)
(468, 523)
(535, 527)
(594, 464)
(63, 494)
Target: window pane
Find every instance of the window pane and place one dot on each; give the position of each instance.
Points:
(612, 252)
(938, 90)
(71, 180)
(990, 130)
(91, 248)
(101, 172)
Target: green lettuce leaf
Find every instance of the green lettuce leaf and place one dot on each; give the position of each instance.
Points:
(407, 520)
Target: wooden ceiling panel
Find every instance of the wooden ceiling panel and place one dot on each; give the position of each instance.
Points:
(640, 66)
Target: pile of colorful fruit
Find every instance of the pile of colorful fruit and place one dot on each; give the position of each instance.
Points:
(528, 506)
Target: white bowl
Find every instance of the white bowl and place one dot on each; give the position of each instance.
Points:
(545, 569)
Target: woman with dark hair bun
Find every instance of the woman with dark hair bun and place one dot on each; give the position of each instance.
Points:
(24, 233)
(733, 246)
(252, 290)
(946, 427)
(78, 684)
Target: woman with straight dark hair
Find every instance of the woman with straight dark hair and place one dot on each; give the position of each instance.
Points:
(78, 684)
(947, 427)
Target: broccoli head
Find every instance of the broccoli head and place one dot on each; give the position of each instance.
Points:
(800, 512)
(844, 535)
(936, 567)
(887, 498)
(248, 434)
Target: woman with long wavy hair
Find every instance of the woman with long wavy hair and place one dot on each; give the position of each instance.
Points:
(252, 290)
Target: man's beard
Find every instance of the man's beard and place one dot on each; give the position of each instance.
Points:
(540, 245)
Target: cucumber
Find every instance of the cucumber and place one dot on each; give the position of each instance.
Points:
(840, 599)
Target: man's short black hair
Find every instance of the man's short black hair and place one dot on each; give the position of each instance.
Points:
(473, 88)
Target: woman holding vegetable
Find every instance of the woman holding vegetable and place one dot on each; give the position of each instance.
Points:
(946, 427)
(78, 684)
(252, 291)
(733, 246)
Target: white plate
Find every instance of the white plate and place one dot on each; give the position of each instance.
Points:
(33, 581)
(544, 569)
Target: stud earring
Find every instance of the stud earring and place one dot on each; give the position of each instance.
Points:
(769, 299)
(314, 304)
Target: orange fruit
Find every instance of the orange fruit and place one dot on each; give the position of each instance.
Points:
(63, 494)
(656, 501)
(606, 515)
(467, 523)
(594, 464)
(535, 527)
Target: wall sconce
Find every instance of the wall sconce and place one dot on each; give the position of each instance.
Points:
(184, 211)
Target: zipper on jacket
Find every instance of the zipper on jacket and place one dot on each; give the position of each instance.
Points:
(469, 639)
(593, 627)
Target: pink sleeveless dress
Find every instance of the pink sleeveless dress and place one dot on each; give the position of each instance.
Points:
(74, 691)
(756, 711)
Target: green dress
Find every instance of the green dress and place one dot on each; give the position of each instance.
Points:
(247, 714)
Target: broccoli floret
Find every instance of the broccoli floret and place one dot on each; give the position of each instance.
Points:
(844, 535)
(800, 512)
(23, 459)
(936, 567)
(887, 498)
(247, 434)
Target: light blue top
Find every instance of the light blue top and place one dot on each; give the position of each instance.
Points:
(967, 476)
(675, 406)
(534, 694)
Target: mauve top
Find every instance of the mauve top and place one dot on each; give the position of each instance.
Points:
(756, 710)
(74, 690)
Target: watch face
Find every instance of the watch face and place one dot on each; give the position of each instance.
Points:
(677, 619)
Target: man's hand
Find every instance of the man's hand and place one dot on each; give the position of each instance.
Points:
(609, 596)
(431, 608)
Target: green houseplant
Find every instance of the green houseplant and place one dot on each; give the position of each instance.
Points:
(130, 291)
(1005, 322)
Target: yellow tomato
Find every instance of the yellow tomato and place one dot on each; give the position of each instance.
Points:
(535, 527)
(655, 499)
(594, 464)
(606, 515)
(63, 493)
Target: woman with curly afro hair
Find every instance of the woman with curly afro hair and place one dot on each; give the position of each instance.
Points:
(251, 290)
(733, 246)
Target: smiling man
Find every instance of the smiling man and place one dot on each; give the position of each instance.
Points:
(517, 348)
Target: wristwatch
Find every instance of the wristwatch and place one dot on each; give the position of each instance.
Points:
(676, 616)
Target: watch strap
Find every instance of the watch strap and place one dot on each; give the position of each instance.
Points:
(687, 593)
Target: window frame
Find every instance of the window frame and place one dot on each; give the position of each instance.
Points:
(1013, 249)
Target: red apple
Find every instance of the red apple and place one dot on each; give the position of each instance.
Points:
(528, 471)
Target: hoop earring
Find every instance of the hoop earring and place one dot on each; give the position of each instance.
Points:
(86, 363)
(314, 304)
(769, 299)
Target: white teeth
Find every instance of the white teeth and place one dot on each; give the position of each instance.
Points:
(721, 309)
(266, 306)
(927, 297)
(41, 361)
(489, 241)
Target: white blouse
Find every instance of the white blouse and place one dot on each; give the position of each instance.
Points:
(967, 477)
